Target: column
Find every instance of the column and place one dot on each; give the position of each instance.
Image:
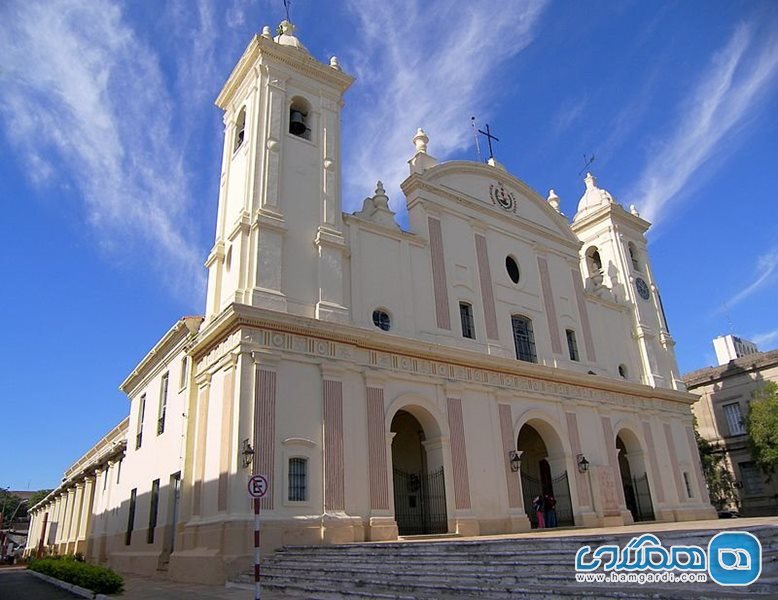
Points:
(203, 381)
(265, 377)
(87, 509)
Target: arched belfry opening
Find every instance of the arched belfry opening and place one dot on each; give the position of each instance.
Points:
(634, 476)
(419, 483)
(543, 467)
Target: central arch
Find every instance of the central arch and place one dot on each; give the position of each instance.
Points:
(418, 477)
(544, 471)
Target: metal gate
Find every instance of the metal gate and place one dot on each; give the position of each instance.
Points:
(638, 498)
(560, 489)
(420, 502)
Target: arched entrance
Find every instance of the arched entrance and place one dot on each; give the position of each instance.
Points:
(544, 471)
(419, 484)
(634, 477)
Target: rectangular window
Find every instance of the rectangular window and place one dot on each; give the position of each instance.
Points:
(753, 484)
(298, 479)
(688, 484)
(572, 345)
(466, 315)
(131, 517)
(141, 414)
(734, 419)
(118, 471)
(184, 373)
(523, 338)
(105, 477)
(162, 405)
(153, 507)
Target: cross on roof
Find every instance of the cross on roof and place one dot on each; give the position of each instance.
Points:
(489, 138)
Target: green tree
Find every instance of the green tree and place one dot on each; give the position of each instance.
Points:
(8, 504)
(718, 478)
(762, 427)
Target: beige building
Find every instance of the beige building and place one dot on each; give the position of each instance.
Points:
(725, 392)
(386, 381)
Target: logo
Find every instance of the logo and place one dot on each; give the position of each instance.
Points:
(502, 198)
(735, 558)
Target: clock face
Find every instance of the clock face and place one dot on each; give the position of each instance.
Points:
(642, 288)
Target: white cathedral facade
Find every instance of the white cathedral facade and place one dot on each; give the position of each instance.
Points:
(386, 382)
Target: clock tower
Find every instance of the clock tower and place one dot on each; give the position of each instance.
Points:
(617, 269)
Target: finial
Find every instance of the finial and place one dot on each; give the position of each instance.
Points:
(421, 140)
(633, 210)
(590, 180)
(286, 28)
(380, 199)
(266, 32)
(553, 200)
(334, 63)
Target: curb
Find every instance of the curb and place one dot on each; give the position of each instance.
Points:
(78, 590)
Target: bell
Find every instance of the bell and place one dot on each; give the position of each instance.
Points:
(297, 123)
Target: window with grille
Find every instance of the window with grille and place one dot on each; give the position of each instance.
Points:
(298, 468)
(382, 320)
(572, 345)
(466, 316)
(734, 418)
(162, 405)
(523, 338)
(753, 483)
(153, 509)
(141, 413)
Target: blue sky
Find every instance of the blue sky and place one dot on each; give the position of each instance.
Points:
(110, 150)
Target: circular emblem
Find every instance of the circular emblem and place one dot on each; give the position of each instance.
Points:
(502, 198)
(642, 288)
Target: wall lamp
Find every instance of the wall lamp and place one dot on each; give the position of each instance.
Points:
(583, 464)
(515, 460)
(246, 453)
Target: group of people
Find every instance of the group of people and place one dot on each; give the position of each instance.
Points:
(545, 510)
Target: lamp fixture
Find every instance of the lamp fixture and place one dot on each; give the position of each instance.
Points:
(515, 460)
(246, 453)
(583, 464)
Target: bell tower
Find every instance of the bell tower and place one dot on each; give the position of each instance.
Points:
(615, 261)
(279, 239)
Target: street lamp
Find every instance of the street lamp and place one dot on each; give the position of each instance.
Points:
(515, 460)
(583, 464)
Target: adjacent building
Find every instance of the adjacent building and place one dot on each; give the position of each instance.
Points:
(731, 347)
(386, 381)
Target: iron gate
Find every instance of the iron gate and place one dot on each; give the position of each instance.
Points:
(638, 498)
(560, 489)
(420, 502)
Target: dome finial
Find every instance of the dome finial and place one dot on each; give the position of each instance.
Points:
(553, 200)
(590, 180)
(421, 140)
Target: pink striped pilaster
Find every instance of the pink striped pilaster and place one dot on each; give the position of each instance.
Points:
(265, 429)
(334, 485)
(456, 426)
(657, 479)
(376, 444)
(548, 303)
(674, 462)
(202, 430)
(583, 314)
(226, 442)
(613, 457)
(695, 454)
(487, 291)
(508, 444)
(439, 283)
(581, 479)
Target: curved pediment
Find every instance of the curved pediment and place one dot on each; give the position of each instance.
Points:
(495, 190)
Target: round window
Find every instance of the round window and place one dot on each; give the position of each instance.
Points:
(381, 319)
(513, 268)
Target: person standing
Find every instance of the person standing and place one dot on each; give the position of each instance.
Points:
(549, 505)
(537, 506)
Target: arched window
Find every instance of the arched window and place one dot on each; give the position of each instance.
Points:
(633, 256)
(523, 338)
(299, 113)
(593, 261)
(381, 319)
(298, 479)
(240, 129)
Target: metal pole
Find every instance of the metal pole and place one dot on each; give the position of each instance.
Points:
(256, 549)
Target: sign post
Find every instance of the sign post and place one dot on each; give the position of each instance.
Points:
(258, 487)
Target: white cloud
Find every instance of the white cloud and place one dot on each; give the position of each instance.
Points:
(569, 113)
(766, 269)
(432, 68)
(727, 95)
(765, 338)
(83, 95)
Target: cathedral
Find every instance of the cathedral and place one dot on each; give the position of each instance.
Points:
(387, 382)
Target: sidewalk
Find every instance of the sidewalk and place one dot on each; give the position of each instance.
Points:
(146, 588)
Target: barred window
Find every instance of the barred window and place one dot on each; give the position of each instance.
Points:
(298, 491)
(572, 345)
(734, 417)
(466, 316)
(753, 484)
(523, 338)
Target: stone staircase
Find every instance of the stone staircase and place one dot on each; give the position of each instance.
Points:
(531, 568)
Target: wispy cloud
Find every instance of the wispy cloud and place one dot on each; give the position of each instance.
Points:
(763, 339)
(83, 94)
(570, 111)
(725, 98)
(429, 68)
(765, 273)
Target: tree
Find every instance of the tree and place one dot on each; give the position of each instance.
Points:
(718, 478)
(762, 427)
